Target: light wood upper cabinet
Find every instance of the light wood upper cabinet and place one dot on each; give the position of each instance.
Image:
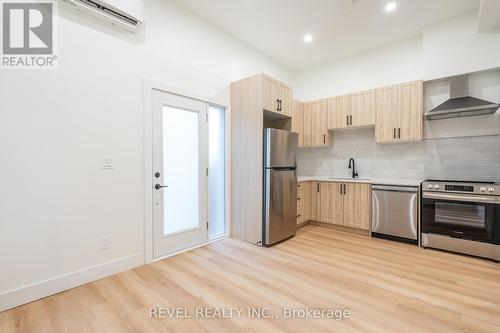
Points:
(316, 132)
(307, 116)
(319, 125)
(331, 203)
(356, 210)
(353, 110)
(339, 109)
(387, 114)
(286, 99)
(410, 115)
(399, 113)
(270, 93)
(362, 109)
(298, 121)
(276, 96)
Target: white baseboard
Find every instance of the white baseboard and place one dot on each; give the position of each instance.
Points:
(210, 241)
(35, 291)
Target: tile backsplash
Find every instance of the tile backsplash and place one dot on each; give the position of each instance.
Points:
(467, 158)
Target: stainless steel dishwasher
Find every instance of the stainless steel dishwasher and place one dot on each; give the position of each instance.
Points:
(395, 212)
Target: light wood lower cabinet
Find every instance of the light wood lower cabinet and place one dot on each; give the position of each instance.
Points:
(303, 202)
(357, 206)
(343, 204)
(331, 205)
(315, 201)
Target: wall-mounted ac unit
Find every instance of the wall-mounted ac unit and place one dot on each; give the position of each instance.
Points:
(127, 14)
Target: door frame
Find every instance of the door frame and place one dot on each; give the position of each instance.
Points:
(149, 86)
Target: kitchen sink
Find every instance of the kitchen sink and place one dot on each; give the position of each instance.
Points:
(347, 178)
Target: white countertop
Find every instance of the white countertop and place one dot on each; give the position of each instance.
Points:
(381, 181)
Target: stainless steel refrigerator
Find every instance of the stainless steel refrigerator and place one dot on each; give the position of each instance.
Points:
(280, 185)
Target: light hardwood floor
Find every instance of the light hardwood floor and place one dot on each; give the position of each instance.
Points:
(389, 287)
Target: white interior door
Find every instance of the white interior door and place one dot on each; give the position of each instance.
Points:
(179, 173)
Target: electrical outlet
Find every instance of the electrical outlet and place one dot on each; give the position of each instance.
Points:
(106, 163)
(105, 243)
(421, 168)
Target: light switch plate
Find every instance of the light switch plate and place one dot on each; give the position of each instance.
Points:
(106, 163)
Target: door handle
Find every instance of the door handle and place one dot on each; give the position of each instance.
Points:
(158, 186)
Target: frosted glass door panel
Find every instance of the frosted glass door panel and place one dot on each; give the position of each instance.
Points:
(181, 170)
(217, 171)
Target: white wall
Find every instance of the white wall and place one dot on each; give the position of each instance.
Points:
(55, 202)
(448, 48)
(395, 63)
(454, 47)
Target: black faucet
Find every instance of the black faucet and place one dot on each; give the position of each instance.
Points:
(354, 173)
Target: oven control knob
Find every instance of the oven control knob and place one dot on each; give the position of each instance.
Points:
(436, 187)
(482, 189)
(491, 189)
(430, 186)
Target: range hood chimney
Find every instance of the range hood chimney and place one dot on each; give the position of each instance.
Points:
(460, 103)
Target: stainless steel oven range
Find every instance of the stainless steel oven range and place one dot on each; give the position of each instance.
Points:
(461, 217)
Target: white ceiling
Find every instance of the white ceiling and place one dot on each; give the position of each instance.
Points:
(340, 27)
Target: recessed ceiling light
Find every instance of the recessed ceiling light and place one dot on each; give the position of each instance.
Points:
(390, 6)
(308, 38)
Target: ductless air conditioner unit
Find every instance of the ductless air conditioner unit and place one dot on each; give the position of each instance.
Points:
(127, 14)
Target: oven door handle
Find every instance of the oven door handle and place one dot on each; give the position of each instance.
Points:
(462, 197)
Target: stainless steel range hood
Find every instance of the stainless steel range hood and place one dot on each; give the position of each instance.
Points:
(460, 103)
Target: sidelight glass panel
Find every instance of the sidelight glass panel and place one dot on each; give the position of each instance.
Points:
(181, 170)
(217, 171)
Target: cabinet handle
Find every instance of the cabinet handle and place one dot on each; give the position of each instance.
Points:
(350, 119)
(345, 188)
(278, 104)
(347, 120)
(340, 188)
(318, 187)
(394, 134)
(298, 215)
(324, 138)
(281, 105)
(399, 133)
